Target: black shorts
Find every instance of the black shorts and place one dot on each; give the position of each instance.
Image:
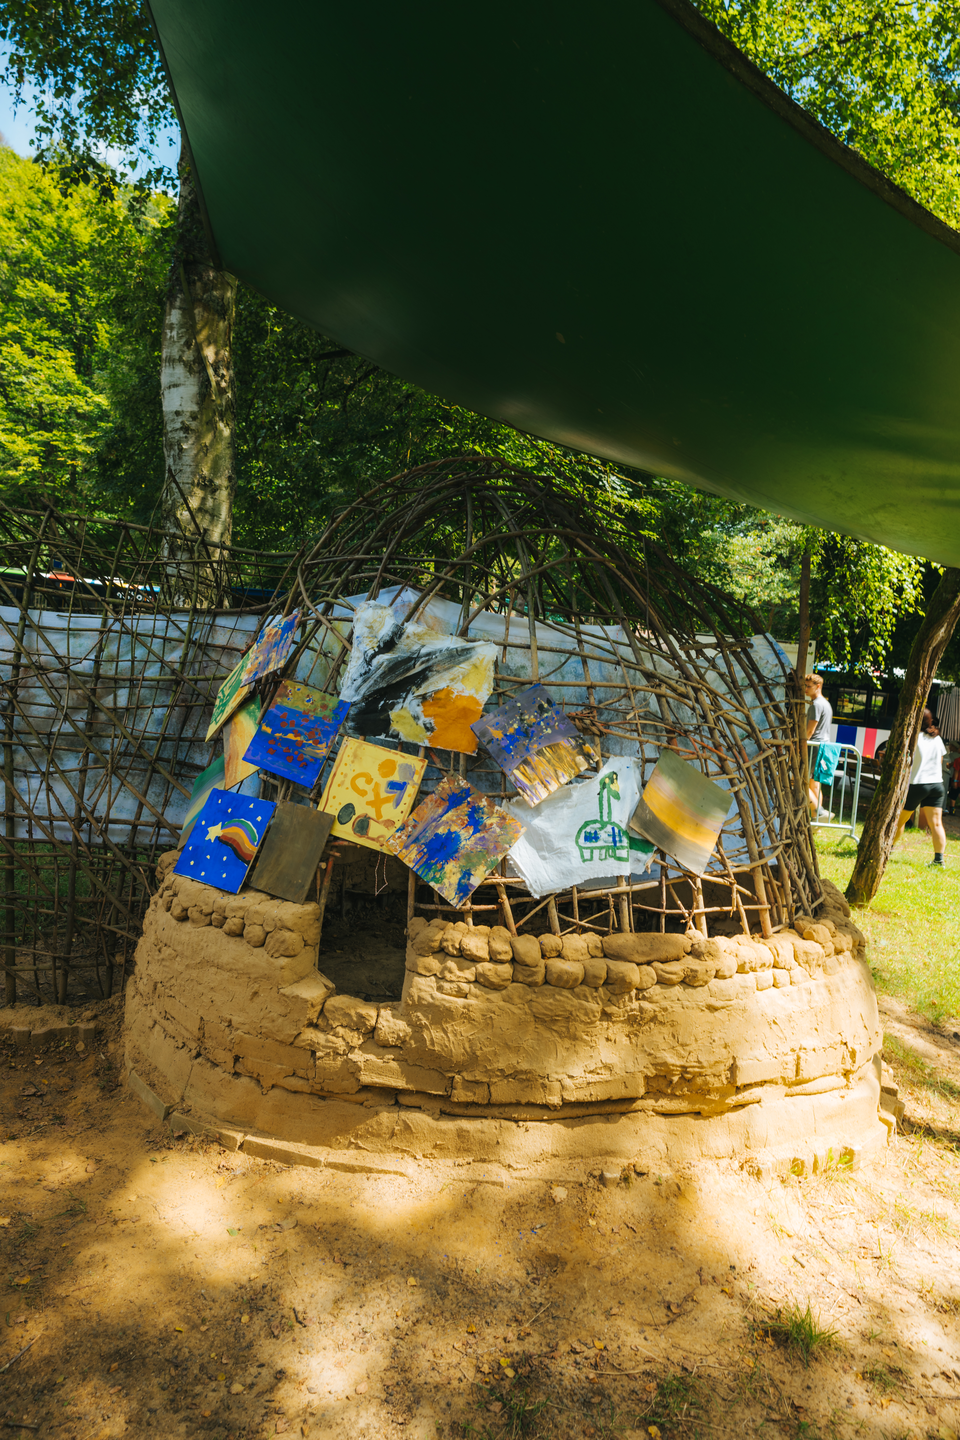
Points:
(920, 797)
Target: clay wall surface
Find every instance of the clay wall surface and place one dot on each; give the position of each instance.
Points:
(522, 1045)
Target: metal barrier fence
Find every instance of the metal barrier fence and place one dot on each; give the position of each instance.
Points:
(840, 797)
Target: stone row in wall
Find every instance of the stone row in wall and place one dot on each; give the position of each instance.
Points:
(225, 1014)
(459, 956)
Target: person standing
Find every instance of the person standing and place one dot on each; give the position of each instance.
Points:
(925, 792)
(819, 720)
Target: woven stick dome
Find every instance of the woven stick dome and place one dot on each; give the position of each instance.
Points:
(640, 655)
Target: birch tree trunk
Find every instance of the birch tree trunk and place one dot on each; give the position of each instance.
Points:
(880, 826)
(196, 385)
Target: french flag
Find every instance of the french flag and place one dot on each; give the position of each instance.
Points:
(863, 737)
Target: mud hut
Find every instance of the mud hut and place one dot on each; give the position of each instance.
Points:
(648, 1010)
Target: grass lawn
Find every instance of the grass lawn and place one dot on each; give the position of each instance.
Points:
(913, 924)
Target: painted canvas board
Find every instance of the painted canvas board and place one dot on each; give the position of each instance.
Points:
(578, 835)
(681, 811)
(287, 860)
(454, 838)
(296, 733)
(409, 681)
(224, 840)
(270, 649)
(230, 696)
(207, 781)
(535, 744)
(237, 734)
(371, 792)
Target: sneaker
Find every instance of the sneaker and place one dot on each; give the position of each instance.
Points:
(824, 814)
(937, 865)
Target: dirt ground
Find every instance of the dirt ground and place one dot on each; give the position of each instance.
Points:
(169, 1287)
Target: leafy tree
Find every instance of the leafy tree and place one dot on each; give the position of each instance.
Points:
(99, 84)
(69, 258)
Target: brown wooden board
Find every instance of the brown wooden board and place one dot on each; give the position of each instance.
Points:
(290, 854)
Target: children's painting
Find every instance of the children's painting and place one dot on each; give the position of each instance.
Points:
(213, 778)
(238, 732)
(271, 648)
(230, 697)
(537, 746)
(371, 792)
(224, 840)
(288, 858)
(414, 683)
(681, 811)
(578, 835)
(454, 838)
(296, 733)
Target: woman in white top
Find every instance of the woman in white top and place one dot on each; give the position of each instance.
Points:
(926, 787)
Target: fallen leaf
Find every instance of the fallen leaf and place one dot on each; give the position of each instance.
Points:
(471, 1329)
(236, 1388)
(287, 1224)
(411, 1280)
(24, 1280)
(362, 1388)
(654, 1431)
(4, 1219)
(598, 1345)
(244, 1319)
(114, 1366)
(510, 1374)
(232, 1232)
(178, 1327)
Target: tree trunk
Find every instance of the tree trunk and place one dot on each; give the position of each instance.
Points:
(880, 826)
(196, 384)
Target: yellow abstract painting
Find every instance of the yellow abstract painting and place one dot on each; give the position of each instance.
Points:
(370, 792)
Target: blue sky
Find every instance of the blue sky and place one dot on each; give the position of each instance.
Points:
(16, 125)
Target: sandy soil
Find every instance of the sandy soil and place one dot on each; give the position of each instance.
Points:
(167, 1287)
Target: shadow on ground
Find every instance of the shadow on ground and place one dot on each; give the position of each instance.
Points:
(170, 1287)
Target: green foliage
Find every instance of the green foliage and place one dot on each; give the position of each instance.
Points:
(74, 270)
(884, 78)
(858, 591)
(98, 79)
(70, 259)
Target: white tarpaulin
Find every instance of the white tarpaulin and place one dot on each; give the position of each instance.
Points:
(113, 683)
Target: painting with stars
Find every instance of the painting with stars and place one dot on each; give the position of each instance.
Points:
(224, 840)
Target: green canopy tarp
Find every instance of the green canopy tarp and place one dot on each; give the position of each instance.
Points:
(601, 226)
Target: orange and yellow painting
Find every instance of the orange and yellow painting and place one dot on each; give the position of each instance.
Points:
(239, 731)
(370, 792)
(407, 681)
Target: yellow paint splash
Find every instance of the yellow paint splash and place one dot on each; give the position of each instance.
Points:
(452, 716)
(408, 727)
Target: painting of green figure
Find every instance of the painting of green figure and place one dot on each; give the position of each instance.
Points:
(603, 838)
